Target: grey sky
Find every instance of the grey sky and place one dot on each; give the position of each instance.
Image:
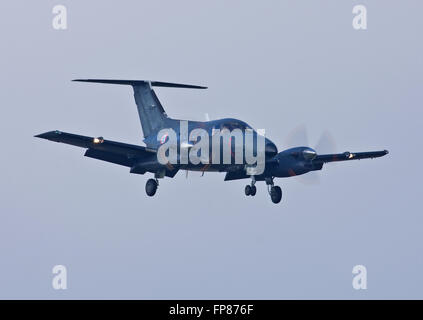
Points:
(273, 64)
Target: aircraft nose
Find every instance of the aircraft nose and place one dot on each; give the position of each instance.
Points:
(270, 149)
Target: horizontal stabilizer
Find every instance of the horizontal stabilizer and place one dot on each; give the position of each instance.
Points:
(141, 82)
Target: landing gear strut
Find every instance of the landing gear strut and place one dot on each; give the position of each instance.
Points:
(151, 187)
(275, 192)
(251, 190)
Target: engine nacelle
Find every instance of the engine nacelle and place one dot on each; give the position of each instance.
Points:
(295, 161)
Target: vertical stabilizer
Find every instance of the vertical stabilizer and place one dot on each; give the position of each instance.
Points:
(150, 110)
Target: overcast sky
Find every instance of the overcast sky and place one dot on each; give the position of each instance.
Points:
(273, 64)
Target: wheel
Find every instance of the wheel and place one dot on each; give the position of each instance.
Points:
(151, 187)
(253, 191)
(276, 194)
(247, 190)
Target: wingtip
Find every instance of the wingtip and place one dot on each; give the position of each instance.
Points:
(42, 135)
(48, 134)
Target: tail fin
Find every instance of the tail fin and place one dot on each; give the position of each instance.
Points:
(152, 115)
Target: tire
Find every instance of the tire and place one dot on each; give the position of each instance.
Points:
(247, 190)
(276, 194)
(253, 191)
(151, 187)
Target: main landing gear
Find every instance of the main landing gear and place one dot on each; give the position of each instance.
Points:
(275, 192)
(151, 187)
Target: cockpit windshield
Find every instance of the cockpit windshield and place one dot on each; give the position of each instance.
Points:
(232, 124)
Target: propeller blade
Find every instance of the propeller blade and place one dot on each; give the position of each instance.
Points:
(311, 178)
(297, 137)
(326, 144)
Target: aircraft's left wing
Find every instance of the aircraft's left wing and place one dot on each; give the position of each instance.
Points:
(98, 148)
(349, 156)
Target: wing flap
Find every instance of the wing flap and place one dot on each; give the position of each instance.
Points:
(109, 157)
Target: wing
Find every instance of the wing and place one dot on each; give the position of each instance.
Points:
(236, 175)
(124, 154)
(349, 156)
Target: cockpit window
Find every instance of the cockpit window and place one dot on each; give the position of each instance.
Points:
(231, 125)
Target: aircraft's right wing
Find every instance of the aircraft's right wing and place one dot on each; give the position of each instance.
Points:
(98, 148)
(349, 156)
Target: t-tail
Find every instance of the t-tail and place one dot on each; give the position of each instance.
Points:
(152, 115)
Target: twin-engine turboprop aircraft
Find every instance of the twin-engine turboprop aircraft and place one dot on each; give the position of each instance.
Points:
(185, 140)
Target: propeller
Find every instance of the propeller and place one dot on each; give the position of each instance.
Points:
(298, 137)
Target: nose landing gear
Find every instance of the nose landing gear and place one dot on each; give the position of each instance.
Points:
(251, 190)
